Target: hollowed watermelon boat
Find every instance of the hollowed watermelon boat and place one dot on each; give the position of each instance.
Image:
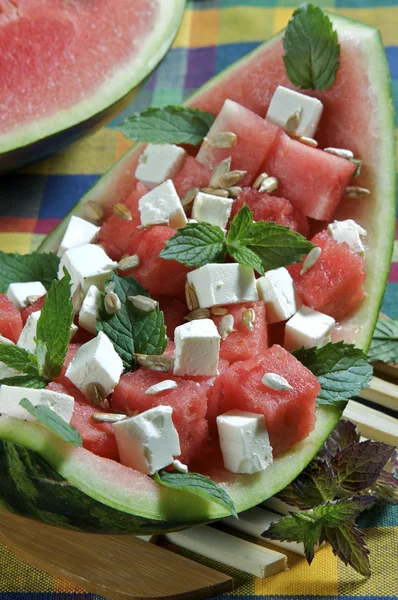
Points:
(79, 65)
(45, 478)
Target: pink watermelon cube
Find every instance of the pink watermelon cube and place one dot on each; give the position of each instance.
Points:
(192, 175)
(289, 415)
(188, 401)
(243, 344)
(255, 137)
(313, 180)
(10, 319)
(213, 388)
(61, 379)
(174, 311)
(334, 284)
(271, 208)
(35, 306)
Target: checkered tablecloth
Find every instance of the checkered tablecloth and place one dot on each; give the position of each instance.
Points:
(213, 35)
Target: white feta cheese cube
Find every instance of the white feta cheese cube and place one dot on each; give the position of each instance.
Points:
(87, 265)
(276, 288)
(308, 328)
(197, 348)
(96, 362)
(221, 284)
(89, 312)
(350, 232)
(285, 103)
(162, 204)
(212, 209)
(6, 371)
(78, 232)
(159, 162)
(18, 293)
(244, 441)
(149, 441)
(28, 334)
(10, 397)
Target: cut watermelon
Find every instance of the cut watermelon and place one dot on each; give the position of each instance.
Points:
(86, 61)
(192, 175)
(36, 305)
(361, 95)
(174, 312)
(10, 319)
(61, 379)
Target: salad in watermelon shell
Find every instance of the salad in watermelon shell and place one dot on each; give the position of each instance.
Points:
(253, 249)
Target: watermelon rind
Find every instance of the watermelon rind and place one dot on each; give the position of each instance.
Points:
(46, 136)
(164, 509)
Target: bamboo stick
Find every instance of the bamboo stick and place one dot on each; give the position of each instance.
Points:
(372, 423)
(381, 392)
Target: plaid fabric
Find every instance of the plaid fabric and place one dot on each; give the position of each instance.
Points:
(214, 34)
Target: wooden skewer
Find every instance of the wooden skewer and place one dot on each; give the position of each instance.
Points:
(381, 392)
(372, 423)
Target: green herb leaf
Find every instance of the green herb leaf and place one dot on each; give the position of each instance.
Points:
(195, 245)
(245, 256)
(384, 344)
(19, 359)
(27, 381)
(342, 370)
(17, 268)
(343, 434)
(359, 465)
(130, 329)
(197, 484)
(316, 484)
(53, 328)
(240, 225)
(358, 163)
(312, 51)
(168, 125)
(52, 421)
(348, 544)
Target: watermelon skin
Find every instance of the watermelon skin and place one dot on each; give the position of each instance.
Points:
(314, 181)
(289, 415)
(271, 208)
(10, 319)
(192, 175)
(334, 284)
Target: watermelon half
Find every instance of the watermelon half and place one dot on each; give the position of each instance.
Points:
(68, 67)
(47, 479)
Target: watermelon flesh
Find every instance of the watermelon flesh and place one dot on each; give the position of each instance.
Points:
(192, 175)
(10, 319)
(174, 311)
(35, 306)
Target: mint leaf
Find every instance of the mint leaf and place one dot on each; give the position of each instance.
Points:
(131, 330)
(53, 328)
(240, 225)
(19, 359)
(342, 370)
(197, 484)
(28, 381)
(246, 256)
(312, 51)
(17, 268)
(52, 421)
(384, 344)
(359, 465)
(358, 162)
(195, 245)
(168, 125)
(349, 545)
(316, 484)
(386, 488)
(342, 435)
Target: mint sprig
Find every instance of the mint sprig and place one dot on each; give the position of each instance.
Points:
(196, 484)
(195, 245)
(312, 51)
(168, 125)
(342, 370)
(27, 381)
(359, 465)
(47, 417)
(132, 330)
(17, 268)
(384, 344)
(19, 359)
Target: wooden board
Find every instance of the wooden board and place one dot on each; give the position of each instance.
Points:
(116, 566)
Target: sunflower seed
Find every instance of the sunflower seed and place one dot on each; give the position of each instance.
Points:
(215, 192)
(222, 139)
(198, 313)
(121, 211)
(218, 311)
(93, 212)
(110, 287)
(276, 382)
(311, 258)
(179, 466)
(231, 178)
(108, 417)
(342, 152)
(132, 413)
(129, 262)
(293, 121)
(189, 196)
(143, 303)
(112, 303)
(234, 191)
(226, 326)
(148, 225)
(307, 141)
(191, 297)
(262, 177)
(77, 298)
(162, 386)
(269, 185)
(32, 299)
(248, 318)
(219, 170)
(95, 394)
(353, 191)
(156, 362)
